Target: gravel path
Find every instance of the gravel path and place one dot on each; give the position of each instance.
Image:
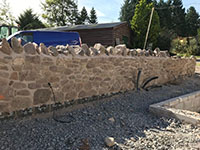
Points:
(124, 117)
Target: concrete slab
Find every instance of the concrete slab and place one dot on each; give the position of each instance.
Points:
(185, 108)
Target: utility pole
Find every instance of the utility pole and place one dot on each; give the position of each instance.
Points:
(147, 34)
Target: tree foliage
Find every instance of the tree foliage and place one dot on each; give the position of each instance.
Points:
(128, 9)
(60, 12)
(192, 20)
(6, 16)
(83, 19)
(93, 16)
(140, 23)
(28, 20)
(178, 18)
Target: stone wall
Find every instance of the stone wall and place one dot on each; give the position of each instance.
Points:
(77, 73)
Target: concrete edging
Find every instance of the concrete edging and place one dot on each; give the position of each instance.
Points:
(184, 108)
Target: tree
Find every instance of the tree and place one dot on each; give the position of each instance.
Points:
(6, 16)
(60, 12)
(140, 23)
(128, 9)
(178, 17)
(93, 16)
(164, 12)
(83, 19)
(28, 20)
(192, 20)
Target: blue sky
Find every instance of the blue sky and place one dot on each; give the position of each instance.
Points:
(107, 10)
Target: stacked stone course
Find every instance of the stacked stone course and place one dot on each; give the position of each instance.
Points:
(78, 72)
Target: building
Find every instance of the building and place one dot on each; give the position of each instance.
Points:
(108, 34)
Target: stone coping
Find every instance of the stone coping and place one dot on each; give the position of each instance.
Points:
(184, 108)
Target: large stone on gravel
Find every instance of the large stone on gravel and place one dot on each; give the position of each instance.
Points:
(41, 96)
(100, 48)
(5, 47)
(109, 141)
(29, 48)
(43, 49)
(53, 51)
(16, 45)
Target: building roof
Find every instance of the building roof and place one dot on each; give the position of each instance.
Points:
(90, 26)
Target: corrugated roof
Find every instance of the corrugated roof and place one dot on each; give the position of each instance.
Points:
(90, 26)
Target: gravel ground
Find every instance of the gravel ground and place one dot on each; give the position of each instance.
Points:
(125, 117)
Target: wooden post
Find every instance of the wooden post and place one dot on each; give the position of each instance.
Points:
(147, 34)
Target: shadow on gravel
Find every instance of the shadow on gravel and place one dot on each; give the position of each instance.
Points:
(125, 117)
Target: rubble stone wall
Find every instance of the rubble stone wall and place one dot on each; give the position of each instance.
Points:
(26, 71)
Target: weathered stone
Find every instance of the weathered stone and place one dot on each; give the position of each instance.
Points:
(19, 85)
(59, 96)
(86, 50)
(100, 48)
(29, 48)
(23, 75)
(18, 61)
(71, 50)
(19, 103)
(90, 65)
(5, 47)
(32, 59)
(82, 94)
(132, 52)
(94, 51)
(156, 51)
(122, 48)
(163, 54)
(14, 76)
(37, 48)
(53, 51)
(78, 50)
(4, 74)
(110, 50)
(109, 141)
(67, 71)
(53, 79)
(82, 53)
(66, 52)
(16, 45)
(43, 49)
(34, 85)
(70, 95)
(41, 96)
(32, 76)
(23, 93)
(3, 67)
(140, 52)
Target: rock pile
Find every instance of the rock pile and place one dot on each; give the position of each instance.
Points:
(83, 50)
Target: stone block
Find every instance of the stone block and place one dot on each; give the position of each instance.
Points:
(19, 103)
(23, 93)
(32, 59)
(30, 49)
(19, 85)
(5, 47)
(41, 96)
(16, 45)
(4, 74)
